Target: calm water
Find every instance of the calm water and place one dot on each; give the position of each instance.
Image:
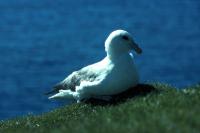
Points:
(41, 42)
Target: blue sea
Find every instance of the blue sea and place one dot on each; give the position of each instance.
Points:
(42, 41)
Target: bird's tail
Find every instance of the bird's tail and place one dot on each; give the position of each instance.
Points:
(63, 94)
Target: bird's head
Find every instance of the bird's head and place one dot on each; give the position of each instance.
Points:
(119, 42)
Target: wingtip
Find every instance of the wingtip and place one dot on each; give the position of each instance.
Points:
(46, 93)
(50, 92)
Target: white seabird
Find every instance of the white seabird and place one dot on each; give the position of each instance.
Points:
(112, 75)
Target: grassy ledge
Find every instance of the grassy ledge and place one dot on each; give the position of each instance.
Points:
(165, 109)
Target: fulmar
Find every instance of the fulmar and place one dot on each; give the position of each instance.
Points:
(112, 75)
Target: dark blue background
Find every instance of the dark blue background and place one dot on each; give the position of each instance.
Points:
(42, 41)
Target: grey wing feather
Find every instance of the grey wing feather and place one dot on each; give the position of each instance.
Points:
(68, 83)
(73, 80)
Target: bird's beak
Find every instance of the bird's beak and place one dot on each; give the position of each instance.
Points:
(137, 49)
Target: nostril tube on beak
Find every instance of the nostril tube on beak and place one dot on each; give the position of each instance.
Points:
(137, 49)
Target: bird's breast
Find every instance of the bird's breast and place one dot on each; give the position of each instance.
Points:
(122, 76)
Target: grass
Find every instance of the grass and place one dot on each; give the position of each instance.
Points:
(161, 108)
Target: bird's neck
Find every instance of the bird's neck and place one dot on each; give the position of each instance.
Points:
(115, 56)
(114, 53)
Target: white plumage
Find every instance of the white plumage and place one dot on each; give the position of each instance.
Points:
(112, 75)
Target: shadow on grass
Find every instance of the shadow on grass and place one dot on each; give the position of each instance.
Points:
(139, 90)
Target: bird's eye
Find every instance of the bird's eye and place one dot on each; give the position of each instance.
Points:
(125, 37)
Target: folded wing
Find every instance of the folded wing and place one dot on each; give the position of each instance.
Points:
(74, 80)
